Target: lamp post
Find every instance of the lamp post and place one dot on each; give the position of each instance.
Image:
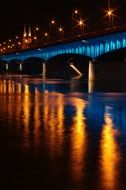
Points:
(46, 37)
(75, 18)
(110, 13)
(36, 35)
(52, 28)
(61, 31)
(81, 24)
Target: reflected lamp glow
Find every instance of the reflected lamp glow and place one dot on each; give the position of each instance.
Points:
(78, 139)
(109, 154)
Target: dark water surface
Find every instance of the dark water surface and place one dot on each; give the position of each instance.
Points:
(63, 134)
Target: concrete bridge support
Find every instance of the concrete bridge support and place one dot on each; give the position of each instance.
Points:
(7, 68)
(44, 69)
(20, 66)
(91, 74)
(91, 77)
(90, 86)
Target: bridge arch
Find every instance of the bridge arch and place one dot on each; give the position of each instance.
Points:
(111, 65)
(14, 66)
(32, 65)
(59, 65)
(114, 55)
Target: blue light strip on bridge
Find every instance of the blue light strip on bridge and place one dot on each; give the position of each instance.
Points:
(91, 47)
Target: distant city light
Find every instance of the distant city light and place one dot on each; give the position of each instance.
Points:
(35, 38)
(61, 29)
(76, 11)
(36, 28)
(109, 12)
(53, 22)
(46, 34)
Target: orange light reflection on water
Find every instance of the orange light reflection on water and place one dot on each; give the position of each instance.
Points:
(78, 140)
(37, 121)
(26, 115)
(110, 155)
(53, 112)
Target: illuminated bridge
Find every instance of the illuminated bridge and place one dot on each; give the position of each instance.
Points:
(93, 45)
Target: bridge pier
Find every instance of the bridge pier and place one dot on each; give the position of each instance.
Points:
(44, 69)
(91, 74)
(90, 86)
(7, 67)
(20, 66)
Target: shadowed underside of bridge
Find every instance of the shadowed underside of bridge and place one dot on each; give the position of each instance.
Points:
(93, 48)
(56, 66)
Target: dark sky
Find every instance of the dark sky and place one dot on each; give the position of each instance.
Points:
(13, 15)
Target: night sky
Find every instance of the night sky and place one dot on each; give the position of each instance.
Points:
(13, 15)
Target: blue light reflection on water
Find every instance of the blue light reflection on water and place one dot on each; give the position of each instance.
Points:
(58, 135)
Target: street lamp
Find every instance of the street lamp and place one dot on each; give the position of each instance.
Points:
(36, 33)
(52, 28)
(75, 15)
(81, 24)
(61, 31)
(76, 11)
(35, 38)
(110, 13)
(46, 36)
(110, 16)
(76, 21)
(37, 29)
(52, 22)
